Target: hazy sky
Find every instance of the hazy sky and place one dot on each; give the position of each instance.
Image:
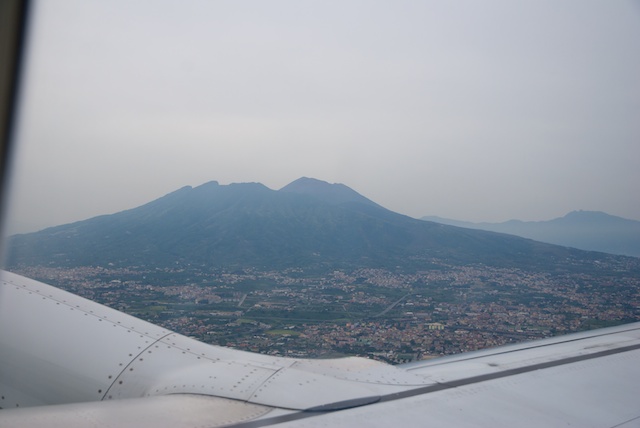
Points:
(480, 111)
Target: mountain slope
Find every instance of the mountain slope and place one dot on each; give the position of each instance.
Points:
(308, 224)
(586, 230)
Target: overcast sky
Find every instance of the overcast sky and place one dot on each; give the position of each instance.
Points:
(479, 111)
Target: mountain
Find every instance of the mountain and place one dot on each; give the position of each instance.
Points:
(586, 230)
(308, 223)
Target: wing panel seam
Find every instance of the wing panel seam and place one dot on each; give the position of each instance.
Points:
(133, 359)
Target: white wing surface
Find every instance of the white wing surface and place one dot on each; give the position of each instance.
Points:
(66, 361)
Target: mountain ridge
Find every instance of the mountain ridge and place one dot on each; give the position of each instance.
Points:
(581, 229)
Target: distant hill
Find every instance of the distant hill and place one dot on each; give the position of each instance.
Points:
(308, 223)
(586, 230)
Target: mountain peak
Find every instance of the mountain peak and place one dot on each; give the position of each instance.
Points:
(308, 185)
(335, 193)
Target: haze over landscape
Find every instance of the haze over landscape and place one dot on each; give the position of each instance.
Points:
(479, 112)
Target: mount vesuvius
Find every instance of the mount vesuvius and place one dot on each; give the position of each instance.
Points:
(308, 223)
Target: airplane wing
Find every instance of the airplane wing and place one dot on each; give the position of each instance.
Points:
(66, 361)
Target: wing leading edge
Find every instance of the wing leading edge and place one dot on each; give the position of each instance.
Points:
(65, 360)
